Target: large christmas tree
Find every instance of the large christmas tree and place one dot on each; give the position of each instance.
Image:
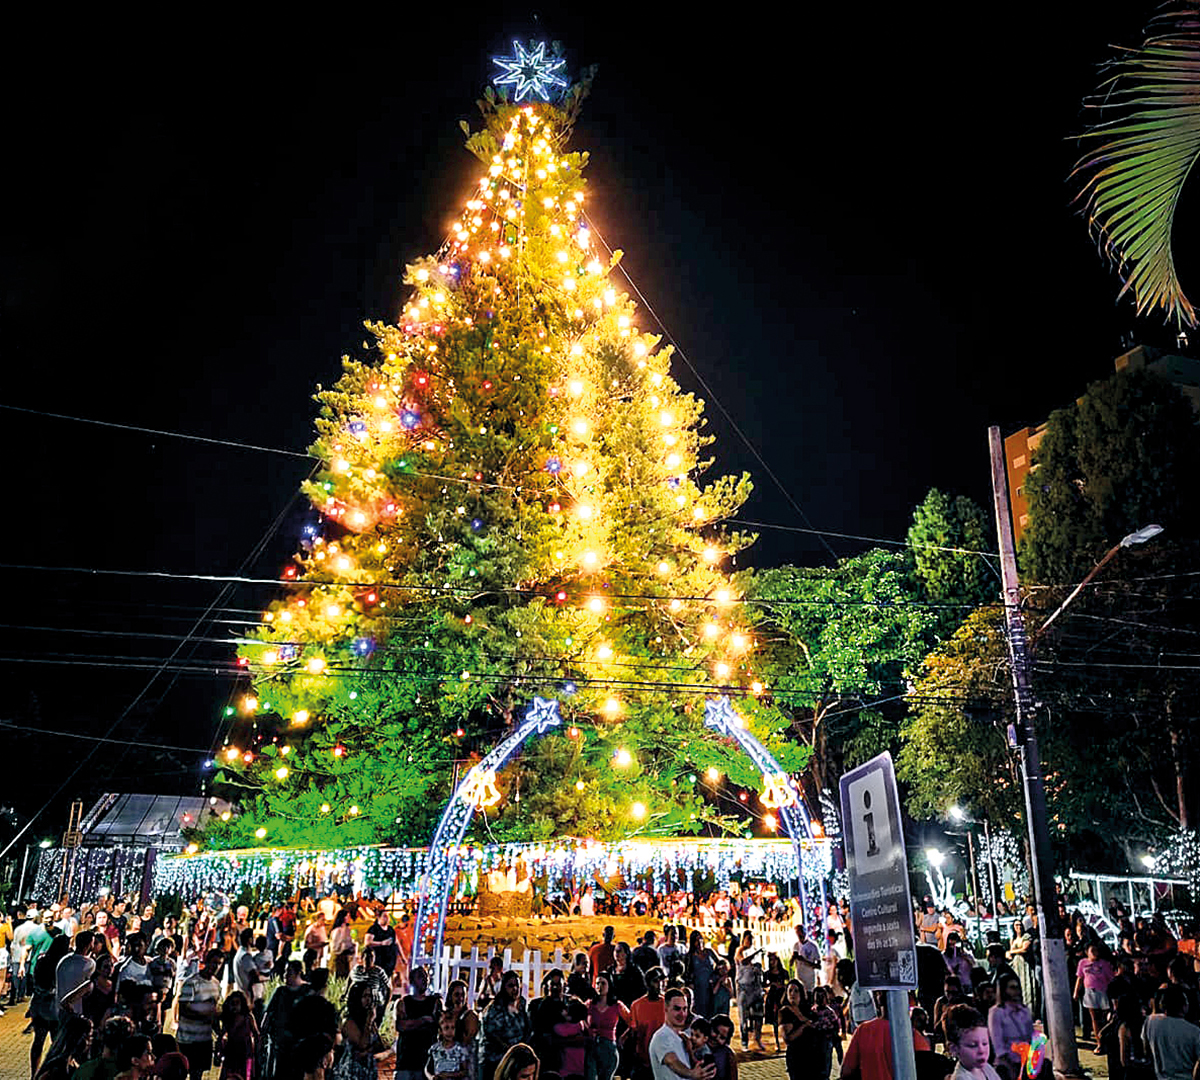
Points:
(514, 503)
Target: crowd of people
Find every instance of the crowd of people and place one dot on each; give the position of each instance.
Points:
(326, 988)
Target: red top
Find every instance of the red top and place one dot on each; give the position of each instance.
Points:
(646, 1017)
(870, 1050)
(603, 1019)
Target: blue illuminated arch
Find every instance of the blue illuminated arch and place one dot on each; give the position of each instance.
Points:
(540, 717)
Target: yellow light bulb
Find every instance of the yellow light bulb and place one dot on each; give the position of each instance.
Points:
(722, 670)
(680, 500)
(756, 687)
(638, 810)
(300, 716)
(569, 283)
(577, 350)
(316, 665)
(281, 772)
(589, 558)
(698, 513)
(604, 652)
(738, 641)
(340, 465)
(381, 403)
(711, 630)
(580, 427)
(673, 461)
(343, 564)
(192, 848)
(722, 596)
(325, 808)
(231, 754)
(249, 703)
(712, 774)
(610, 296)
(332, 611)
(354, 811)
(664, 568)
(562, 256)
(260, 833)
(579, 785)
(596, 604)
(676, 604)
(270, 657)
(622, 758)
(710, 554)
(226, 815)
(580, 468)
(585, 511)
(285, 617)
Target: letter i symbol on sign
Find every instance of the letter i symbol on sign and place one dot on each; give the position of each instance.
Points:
(869, 820)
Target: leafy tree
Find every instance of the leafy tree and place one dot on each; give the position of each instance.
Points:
(942, 523)
(838, 643)
(514, 503)
(954, 747)
(1124, 456)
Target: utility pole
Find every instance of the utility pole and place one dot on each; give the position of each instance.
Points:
(1056, 980)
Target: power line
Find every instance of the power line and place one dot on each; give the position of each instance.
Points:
(477, 591)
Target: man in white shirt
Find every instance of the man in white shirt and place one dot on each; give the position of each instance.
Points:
(1172, 1043)
(806, 959)
(73, 976)
(669, 1057)
(67, 922)
(245, 966)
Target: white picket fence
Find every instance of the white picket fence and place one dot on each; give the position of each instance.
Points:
(471, 966)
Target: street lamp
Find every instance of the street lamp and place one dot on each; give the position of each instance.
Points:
(957, 814)
(935, 857)
(1149, 532)
(1149, 862)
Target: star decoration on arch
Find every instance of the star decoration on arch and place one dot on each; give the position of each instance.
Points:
(532, 72)
(544, 713)
(719, 715)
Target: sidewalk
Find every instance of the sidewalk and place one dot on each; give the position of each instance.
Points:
(14, 1047)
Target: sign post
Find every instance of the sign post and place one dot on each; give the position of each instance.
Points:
(885, 948)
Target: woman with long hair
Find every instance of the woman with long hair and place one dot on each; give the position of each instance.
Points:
(360, 1036)
(342, 945)
(604, 1012)
(466, 1024)
(776, 979)
(1019, 957)
(699, 966)
(505, 1025)
(799, 1035)
(750, 997)
(519, 1063)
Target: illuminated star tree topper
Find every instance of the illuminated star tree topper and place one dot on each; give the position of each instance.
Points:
(531, 71)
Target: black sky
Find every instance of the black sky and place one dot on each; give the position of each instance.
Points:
(854, 222)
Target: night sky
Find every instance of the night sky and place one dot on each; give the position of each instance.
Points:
(855, 224)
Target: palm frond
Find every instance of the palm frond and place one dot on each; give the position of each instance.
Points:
(1133, 179)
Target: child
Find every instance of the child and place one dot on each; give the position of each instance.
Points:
(448, 1058)
(238, 1038)
(697, 1043)
(722, 989)
(967, 1042)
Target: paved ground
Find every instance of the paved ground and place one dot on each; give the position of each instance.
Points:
(14, 1055)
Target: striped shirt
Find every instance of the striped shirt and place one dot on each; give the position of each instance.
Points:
(201, 995)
